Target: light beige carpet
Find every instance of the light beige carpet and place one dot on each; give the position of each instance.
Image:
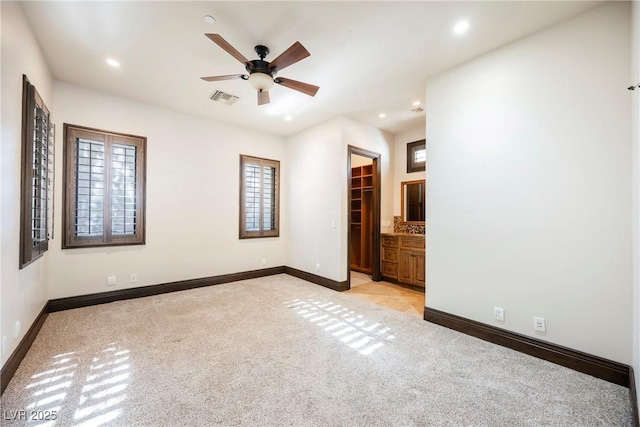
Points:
(280, 351)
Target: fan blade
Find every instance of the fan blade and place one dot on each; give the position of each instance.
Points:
(229, 77)
(306, 88)
(217, 39)
(263, 97)
(295, 53)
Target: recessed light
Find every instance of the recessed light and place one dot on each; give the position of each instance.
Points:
(461, 27)
(382, 115)
(288, 118)
(209, 19)
(113, 63)
(416, 103)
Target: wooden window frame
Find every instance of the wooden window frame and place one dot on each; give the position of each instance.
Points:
(243, 232)
(34, 179)
(412, 165)
(70, 239)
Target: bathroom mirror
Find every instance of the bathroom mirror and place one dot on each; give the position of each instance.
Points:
(413, 201)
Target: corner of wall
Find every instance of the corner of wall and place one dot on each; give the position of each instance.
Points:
(635, 167)
(23, 291)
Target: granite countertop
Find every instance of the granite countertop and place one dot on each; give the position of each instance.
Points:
(402, 234)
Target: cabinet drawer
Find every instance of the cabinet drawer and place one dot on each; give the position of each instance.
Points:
(389, 269)
(412, 242)
(390, 254)
(389, 241)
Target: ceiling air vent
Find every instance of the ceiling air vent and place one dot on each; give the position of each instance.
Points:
(226, 98)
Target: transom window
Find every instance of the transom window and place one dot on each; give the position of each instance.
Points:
(259, 197)
(416, 156)
(105, 188)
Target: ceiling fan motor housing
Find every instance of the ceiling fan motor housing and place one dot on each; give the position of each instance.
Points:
(259, 66)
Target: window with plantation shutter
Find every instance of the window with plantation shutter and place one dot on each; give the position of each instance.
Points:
(259, 197)
(36, 206)
(105, 188)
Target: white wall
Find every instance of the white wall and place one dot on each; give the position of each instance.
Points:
(318, 192)
(528, 185)
(635, 166)
(315, 211)
(400, 164)
(372, 139)
(23, 293)
(192, 197)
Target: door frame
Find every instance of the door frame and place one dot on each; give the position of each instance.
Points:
(376, 274)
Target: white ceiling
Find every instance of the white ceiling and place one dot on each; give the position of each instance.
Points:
(367, 57)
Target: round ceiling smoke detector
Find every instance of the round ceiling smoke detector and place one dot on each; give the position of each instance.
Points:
(209, 19)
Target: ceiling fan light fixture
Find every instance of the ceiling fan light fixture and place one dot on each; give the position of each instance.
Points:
(261, 81)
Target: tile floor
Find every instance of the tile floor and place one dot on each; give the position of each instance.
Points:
(387, 294)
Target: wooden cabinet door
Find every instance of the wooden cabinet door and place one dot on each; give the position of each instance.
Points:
(405, 266)
(420, 276)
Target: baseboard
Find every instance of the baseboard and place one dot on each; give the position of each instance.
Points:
(68, 303)
(318, 280)
(633, 395)
(598, 367)
(11, 366)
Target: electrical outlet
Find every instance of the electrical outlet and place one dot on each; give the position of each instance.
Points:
(133, 278)
(5, 345)
(16, 331)
(264, 262)
(538, 324)
(317, 266)
(111, 280)
(498, 314)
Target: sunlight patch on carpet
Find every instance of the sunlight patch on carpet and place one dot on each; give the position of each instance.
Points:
(344, 324)
(100, 398)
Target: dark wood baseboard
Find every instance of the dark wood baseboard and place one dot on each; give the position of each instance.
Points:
(633, 395)
(598, 367)
(11, 366)
(163, 288)
(361, 270)
(318, 280)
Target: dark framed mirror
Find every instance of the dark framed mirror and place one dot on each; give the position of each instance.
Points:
(413, 196)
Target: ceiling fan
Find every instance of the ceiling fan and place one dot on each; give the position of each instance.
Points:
(262, 74)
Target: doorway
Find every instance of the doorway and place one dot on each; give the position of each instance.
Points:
(363, 241)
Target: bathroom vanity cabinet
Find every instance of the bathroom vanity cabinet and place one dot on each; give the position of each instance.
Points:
(404, 258)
